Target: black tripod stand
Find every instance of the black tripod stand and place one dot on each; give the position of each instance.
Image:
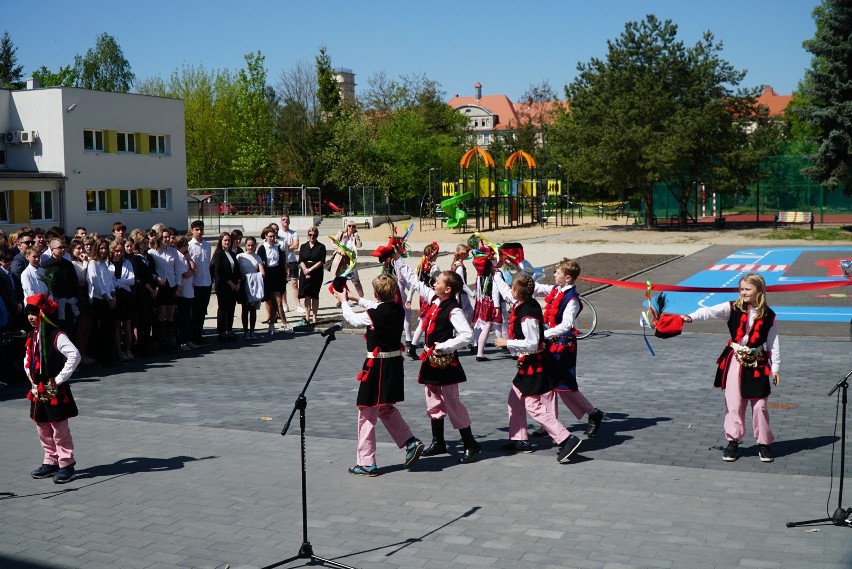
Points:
(840, 516)
(306, 551)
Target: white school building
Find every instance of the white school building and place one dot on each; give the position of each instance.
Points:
(74, 157)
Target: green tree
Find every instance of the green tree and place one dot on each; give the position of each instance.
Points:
(827, 91)
(65, 77)
(298, 118)
(104, 67)
(255, 113)
(11, 74)
(654, 110)
(328, 90)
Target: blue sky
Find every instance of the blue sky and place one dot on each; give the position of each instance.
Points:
(506, 46)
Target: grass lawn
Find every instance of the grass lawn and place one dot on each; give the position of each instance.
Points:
(818, 234)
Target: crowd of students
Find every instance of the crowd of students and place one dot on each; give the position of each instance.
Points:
(130, 293)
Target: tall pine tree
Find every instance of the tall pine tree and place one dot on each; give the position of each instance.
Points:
(10, 72)
(827, 90)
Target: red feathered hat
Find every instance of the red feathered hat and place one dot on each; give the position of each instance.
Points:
(668, 325)
(512, 253)
(41, 303)
(383, 252)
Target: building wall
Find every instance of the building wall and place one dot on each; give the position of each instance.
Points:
(121, 185)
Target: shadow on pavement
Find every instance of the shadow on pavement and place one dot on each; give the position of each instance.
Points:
(137, 465)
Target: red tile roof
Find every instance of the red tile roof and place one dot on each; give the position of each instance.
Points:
(775, 103)
(500, 105)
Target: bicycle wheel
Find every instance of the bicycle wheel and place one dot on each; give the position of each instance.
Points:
(587, 320)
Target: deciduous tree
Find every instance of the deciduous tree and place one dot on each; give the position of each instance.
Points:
(104, 67)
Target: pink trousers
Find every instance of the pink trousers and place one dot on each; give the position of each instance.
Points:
(55, 439)
(443, 401)
(574, 400)
(392, 420)
(735, 408)
(519, 407)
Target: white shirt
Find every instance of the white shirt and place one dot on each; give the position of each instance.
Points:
(285, 239)
(186, 286)
(249, 262)
(126, 278)
(101, 280)
(457, 317)
(359, 319)
(723, 311)
(199, 252)
(31, 282)
(272, 256)
(164, 265)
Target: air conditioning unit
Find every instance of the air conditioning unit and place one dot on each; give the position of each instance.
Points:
(28, 136)
(13, 137)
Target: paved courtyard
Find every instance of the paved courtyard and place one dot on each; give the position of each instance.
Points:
(181, 464)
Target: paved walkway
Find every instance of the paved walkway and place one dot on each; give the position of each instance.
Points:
(181, 464)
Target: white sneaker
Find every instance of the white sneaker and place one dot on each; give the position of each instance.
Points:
(300, 309)
(286, 308)
(289, 330)
(271, 329)
(129, 356)
(184, 348)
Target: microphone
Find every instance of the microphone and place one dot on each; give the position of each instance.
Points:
(332, 329)
(15, 334)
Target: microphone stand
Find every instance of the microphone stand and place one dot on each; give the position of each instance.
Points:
(306, 551)
(840, 517)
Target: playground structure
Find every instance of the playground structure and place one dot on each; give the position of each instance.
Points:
(483, 198)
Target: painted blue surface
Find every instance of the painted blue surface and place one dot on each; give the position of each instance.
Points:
(686, 302)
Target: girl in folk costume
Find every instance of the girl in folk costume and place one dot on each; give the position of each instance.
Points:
(561, 308)
(486, 311)
(427, 272)
(535, 373)
(446, 330)
(458, 267)
(381, 376)
(50, 360)
(752, 355)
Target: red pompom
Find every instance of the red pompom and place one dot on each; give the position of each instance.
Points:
(40, 387)
(54, 401)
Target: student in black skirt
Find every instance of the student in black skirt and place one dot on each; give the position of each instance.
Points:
(125, 280)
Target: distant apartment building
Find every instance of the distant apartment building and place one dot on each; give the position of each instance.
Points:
(75, 157)
(489, 116)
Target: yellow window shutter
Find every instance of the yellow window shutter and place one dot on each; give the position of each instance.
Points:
(144, 199)
(110, 141)
(19, 206)
(113, 200)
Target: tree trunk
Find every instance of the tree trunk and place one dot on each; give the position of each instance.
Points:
(648, 200)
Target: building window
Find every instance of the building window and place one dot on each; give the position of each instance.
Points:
(4, 207)
(128, 200)
(2, 158)
(160, 200)
(96, 201)
(93, 140)
(41, 206)
(126, 142)
(484, 122)
(157, 144)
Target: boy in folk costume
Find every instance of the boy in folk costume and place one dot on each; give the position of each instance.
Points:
(50, 360)
(561, 308)
(381, 377)
(535, 372)
(446, 330)
(752, 355)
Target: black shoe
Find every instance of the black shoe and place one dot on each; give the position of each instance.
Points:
(764, 453)
(567, 448)
(411, 352)
(472, 350)
(482, 359)
(470, 453)
(595, 418)
(539, 433)
(65, 474)
(730, 453)
(45, 471)
(517, 446)
(437, 447)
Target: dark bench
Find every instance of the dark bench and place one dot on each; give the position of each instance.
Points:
(789, 217)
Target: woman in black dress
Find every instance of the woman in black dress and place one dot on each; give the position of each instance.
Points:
(311, 261)
(227, 281)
